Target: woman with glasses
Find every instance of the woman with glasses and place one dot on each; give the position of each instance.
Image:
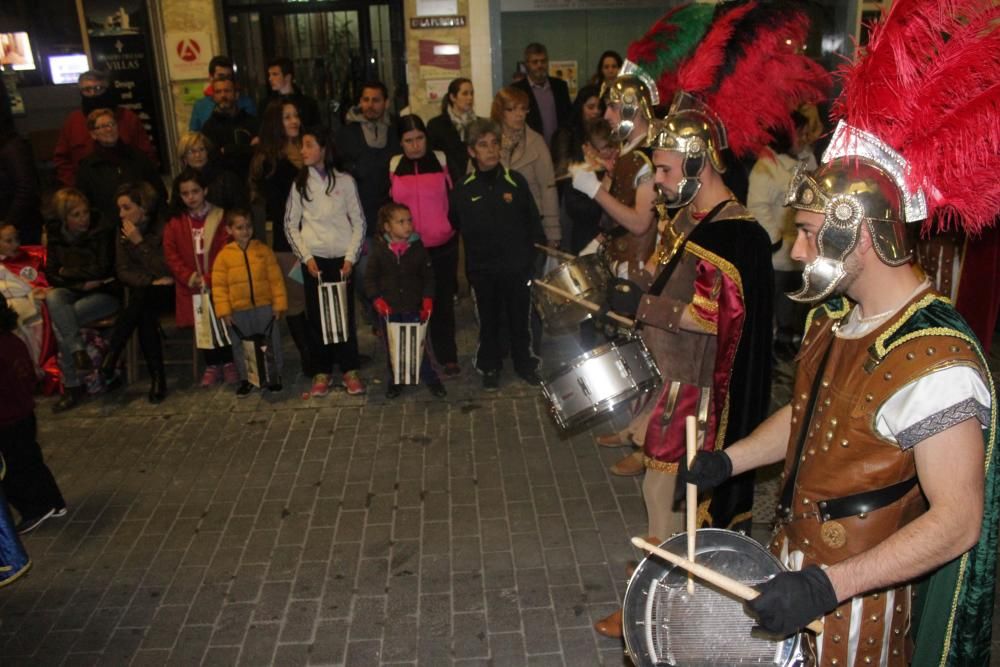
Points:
(225, 189)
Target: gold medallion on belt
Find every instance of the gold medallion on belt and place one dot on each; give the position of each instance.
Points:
(833, 534)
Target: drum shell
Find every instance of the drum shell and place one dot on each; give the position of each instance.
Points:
(600, 380)
(727, 552)
(586, 277)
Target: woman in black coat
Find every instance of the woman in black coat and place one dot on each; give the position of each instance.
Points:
(446, 133)
(142, 269)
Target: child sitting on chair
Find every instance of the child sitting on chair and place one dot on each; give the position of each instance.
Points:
(248, 292)
(400, 281)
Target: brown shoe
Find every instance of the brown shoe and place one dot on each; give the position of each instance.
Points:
(610, 626)
(612, 440)
(630, 466)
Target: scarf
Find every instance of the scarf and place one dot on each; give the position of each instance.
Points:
(508, 144)
(461, 121)
(376, 132)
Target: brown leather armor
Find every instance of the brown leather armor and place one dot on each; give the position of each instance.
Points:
(625, 181)
(843, 455)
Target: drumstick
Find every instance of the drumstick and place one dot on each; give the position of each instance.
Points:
(556, 253)
(732, 586)
(691, 425)
(589, 305)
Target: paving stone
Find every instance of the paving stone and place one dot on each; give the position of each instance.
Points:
(342, 531)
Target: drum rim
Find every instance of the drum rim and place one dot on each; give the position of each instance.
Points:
(602, 408)
(647, 562)
(584, 357)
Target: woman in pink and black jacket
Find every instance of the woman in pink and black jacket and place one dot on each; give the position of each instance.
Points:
(419, 179)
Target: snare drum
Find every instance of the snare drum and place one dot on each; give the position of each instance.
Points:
(665, 625)
(585, 277)
(598, 381)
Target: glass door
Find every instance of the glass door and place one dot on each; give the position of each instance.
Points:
(335, 47)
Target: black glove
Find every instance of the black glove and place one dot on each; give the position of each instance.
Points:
(791, 600)
(708, 470)
(624, 297)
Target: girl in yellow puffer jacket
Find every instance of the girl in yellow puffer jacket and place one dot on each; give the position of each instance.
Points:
(248, 293)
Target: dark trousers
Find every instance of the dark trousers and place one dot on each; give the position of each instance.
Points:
(217, 356)
(427, 374)
(441, 330)
(503, 300)
(323, 356)
(29, 484)
(142, 313)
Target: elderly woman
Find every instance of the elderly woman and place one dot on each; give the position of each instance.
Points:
(225, 189)
(446, 132)
(142, 269)
(524, 151)
(80, 268)
(111, 164)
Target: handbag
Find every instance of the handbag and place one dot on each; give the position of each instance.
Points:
(210, 333)
(333, 312)
(258, 356)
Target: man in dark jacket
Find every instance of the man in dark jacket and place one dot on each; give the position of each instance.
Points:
(281, 85)
(366, 143)
(548, 97)
(231, 130)
(499, 222)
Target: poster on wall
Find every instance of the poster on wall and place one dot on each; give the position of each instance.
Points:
(188, 54)
(118, 46)
(565, 70)
(439, 60)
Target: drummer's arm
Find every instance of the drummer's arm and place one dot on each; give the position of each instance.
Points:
(950, 470)
(766, 445)
(636, 220)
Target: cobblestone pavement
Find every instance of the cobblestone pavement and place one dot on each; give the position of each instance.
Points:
(346, 530)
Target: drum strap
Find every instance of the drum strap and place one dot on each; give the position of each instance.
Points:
(668, 270)
(785, 499)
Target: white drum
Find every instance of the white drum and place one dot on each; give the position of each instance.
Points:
(598, 381)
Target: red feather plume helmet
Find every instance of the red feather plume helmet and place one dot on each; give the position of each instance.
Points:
(918, 138)
(928, 87)
(741, 83)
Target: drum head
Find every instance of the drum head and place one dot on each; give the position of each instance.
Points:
(665, 625)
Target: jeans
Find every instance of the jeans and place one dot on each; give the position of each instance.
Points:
(68, 310)
(251, 322)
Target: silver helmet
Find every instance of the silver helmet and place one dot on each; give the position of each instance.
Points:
(861, 181)
(636, 94)
(693, 129)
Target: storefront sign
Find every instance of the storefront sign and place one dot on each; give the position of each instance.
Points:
(437, 22)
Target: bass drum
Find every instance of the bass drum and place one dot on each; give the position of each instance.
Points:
(598, 381)
(585, 277)
(665, 625)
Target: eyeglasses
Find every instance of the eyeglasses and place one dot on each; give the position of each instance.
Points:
(92, 90)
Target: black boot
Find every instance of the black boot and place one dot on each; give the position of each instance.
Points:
(157, 383)
(70, 399)
(109, 370)
(299, 328)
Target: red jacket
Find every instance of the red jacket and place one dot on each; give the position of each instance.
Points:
(75, 142)
(178, 250)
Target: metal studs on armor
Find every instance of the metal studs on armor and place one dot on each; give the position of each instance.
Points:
(804, 397)
(825, 448)
(873, 618)
(805, 501)
(910, 356)
(899, 609)
(871, 641)
(887, 376)
(930, 351)
(826, 402)
(869, 398)
(836, 639)
(834, 661)
(829, 435)
(863, 515)
(868, 660)
(953, 348)
(812, 452)
(895, 651)
(843, 443)
(833, 421)
(838, 614)
(874, 596)
(896, 631)
(826, 382)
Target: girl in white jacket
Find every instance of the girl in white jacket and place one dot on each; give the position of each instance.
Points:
(326, 228)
